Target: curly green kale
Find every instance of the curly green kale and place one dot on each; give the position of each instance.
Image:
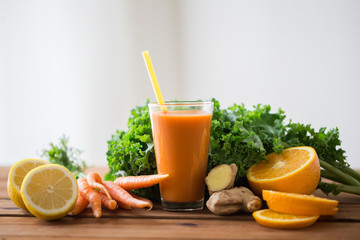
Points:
(238, 135)
(131, 153)
(234, 139)
(244, 136)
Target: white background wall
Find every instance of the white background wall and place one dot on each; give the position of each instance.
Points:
(75, 67)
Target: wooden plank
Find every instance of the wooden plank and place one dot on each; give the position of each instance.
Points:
(124, 228)
(348, 212)
(4, 171)
(74, 238)
(8, 208)
(349, 207)
(16, 223)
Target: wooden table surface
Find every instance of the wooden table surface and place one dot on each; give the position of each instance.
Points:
(16, 223)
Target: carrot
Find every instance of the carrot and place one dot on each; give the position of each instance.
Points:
(91, 196)
(143, 199)
(80, 205)
(135, 182)
(123, 196)
(95, 182)
(124, 206)
(108, 203)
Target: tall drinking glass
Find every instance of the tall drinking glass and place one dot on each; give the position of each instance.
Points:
(181, 132)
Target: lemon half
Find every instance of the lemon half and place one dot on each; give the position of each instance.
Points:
(16, 176)
(49, 191)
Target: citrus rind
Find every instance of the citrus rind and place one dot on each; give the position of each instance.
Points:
(269, 218)
(292, 203)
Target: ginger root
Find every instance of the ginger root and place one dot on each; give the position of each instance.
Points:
(227, 202)
(221, 177)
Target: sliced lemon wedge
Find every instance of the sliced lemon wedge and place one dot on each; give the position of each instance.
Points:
(49, 191)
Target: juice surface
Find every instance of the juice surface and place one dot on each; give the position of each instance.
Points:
(181, 141)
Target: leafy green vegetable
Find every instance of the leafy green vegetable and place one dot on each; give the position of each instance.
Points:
(67, 156)
(332, 157)
(241, 136)
(132, 153)
(335, 189)
(238, 135)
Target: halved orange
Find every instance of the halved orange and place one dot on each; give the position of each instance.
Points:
(300, 204)
(269, 218)
(296, 170)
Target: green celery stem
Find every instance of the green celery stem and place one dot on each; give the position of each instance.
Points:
(349, 180)
(348, 189)
(352, 172)
(330, 176)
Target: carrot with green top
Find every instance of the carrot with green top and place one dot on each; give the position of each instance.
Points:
(80, 205)
(95, 182)
(121, 195)
(91, 196)
(135, 182)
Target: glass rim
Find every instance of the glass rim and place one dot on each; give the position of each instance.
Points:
(181, 103)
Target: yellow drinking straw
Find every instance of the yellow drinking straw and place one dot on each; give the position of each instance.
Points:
(154, 81)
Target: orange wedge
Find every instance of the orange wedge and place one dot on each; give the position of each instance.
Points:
(269, 218)
(299, 204)
(296, 170)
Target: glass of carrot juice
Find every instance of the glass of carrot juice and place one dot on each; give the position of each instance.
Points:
(181, 133)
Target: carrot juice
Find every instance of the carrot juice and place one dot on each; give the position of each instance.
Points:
(181, 140)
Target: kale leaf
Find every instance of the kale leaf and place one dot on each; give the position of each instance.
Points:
(238, 135)
(131, 153)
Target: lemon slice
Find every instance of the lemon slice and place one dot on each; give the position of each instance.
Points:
(269, 218)
(16, 176)
(49, 191)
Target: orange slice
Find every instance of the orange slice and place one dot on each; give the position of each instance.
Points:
(299, 204)
(269, 218)
(296, 170)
